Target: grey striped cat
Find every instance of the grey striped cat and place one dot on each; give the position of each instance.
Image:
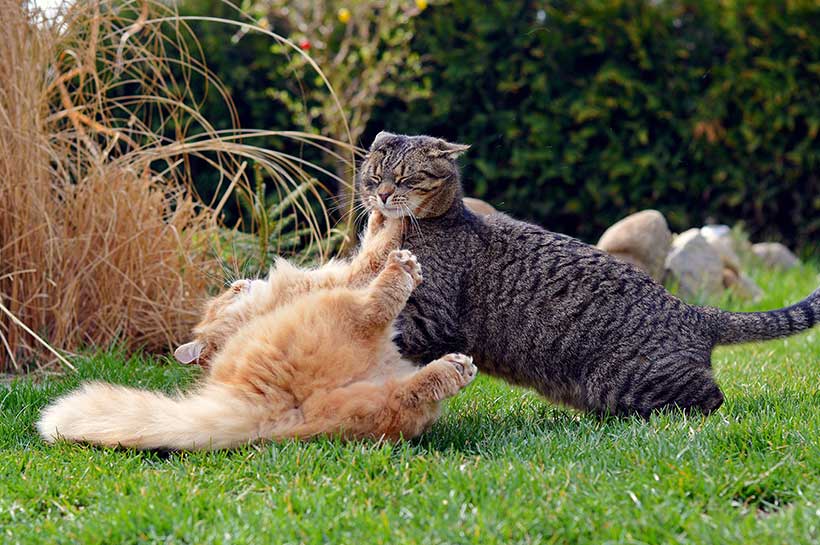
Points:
(545, 310)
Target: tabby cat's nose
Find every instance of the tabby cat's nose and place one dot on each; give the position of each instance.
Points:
(383, 196)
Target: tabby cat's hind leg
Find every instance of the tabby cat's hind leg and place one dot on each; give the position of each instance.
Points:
(678, 381)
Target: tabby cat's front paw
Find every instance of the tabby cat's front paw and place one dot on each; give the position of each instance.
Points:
(464, 365)
(408, 263)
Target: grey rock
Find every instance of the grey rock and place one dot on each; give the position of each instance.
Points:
(720, 238)
(695, 265)
(775, 255)
(714, 230)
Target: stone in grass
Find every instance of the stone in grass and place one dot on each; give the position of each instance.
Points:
(695, 266)
(642, 239)
(775, 255)
(479, 207)
(720, 238)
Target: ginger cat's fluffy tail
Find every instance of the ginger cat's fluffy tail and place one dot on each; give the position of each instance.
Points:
(212, 417)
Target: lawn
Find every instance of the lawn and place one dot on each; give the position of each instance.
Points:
(502, 466)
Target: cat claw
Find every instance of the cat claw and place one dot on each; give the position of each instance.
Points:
(375, 221)
(240, 285)
(408, 263)
(464, 365)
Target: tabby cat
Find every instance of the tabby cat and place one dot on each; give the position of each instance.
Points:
(304, 353)
(545, 310)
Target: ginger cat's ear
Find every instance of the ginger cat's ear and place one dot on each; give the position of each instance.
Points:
(188, 352)
(443, 148)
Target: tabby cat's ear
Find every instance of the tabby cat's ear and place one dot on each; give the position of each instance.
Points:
(188, 352)
(443, 148)
(380, 139)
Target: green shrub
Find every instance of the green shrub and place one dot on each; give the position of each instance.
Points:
(580, 112)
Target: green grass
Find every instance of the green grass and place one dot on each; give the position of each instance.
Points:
(502, 466)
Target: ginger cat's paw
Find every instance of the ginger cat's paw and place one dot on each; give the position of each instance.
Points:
(408, 263)
(241, 285)
(439, 379)
(375, 222)
(464, 365)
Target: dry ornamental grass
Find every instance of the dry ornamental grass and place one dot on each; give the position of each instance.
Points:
(102, 237)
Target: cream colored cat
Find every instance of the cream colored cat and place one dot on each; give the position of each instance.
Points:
(286, 282)
(305, 353)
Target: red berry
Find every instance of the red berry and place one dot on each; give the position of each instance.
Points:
(305, 45)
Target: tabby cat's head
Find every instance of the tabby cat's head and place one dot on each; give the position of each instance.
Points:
(410, 175)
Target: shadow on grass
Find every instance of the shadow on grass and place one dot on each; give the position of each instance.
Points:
(491, 422)
(490, 434)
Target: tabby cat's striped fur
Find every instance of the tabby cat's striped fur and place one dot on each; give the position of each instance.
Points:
(543, 309)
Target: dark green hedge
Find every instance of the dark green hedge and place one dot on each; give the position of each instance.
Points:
(580, 112)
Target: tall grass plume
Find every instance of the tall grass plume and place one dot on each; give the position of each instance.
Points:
(102, 236)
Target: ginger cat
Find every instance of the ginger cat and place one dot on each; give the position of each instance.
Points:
(286, 282)
(305, 353)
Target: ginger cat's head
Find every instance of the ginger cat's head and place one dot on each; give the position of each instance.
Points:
(410, 175)
(218, 321)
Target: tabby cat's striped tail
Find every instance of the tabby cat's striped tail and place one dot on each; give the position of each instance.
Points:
(741, 327)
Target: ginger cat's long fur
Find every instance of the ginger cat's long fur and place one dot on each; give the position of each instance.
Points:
(305, 353)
